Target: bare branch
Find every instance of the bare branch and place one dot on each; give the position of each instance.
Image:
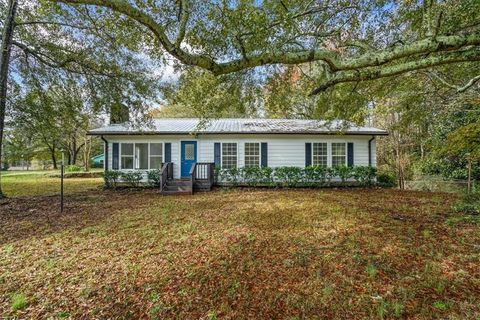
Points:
(29, 23)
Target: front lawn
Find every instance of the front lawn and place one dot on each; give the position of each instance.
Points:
(34, 183)
(240, 254)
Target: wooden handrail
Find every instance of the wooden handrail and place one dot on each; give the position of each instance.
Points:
(202, 172)
(193, 174)
(166, 173)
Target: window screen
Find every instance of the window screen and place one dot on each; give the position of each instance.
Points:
(229, 155)
(252, 154)
(339, 154)
(319, 154)
(127, 155)
(156, 155)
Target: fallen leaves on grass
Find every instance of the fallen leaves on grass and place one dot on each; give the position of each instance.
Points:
(240, 254)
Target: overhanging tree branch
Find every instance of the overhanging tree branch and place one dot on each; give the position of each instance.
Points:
(396, 69)
(371, 62)
(458, 89)
(65, 63)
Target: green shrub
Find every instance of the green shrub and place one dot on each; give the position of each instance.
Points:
(295, 176)
(316, 174)
(133, 178)
(343, 172)
(468, 203)
(289, 176)
(255, 176)
(111, 178)
(231, 175)
(386, 179)
(154, 177)
(364, 175)
(73, 168)
(266, 175)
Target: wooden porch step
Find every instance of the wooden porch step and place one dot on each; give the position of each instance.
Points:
(174, 187)
(178, 188)
(178, 183)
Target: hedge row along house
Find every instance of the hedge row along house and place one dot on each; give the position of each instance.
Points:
(186, 151)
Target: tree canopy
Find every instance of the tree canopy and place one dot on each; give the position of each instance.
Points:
(354, 41)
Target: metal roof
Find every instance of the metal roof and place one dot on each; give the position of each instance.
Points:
(238, 126)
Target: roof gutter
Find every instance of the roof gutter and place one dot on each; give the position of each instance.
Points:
(105, 165)
(370, 151)
(139, 133)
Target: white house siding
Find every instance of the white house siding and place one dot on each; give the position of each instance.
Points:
(283, 149)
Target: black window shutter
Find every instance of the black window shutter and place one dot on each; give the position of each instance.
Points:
(264, 154)
(115, 162)
(350, 154)
(216, 154)
(168, 152)
(308, 154)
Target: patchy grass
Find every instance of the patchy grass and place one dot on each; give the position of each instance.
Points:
(290, 254)
(35, 183)
(19, 302)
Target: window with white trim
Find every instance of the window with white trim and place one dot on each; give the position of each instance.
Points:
(141, 156)
(339, 154)
(252, 154)
(156, 155)
(229, 155)
(319, 154)
(126, 155)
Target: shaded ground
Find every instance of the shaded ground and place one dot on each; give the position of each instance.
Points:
(240, 254)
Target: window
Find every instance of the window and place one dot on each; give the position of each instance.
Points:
(156, 155)
(189, 151)
(127, 155)
(141, 156)
(339, 154)
(319, 154)
(229, 155)
(252, 154)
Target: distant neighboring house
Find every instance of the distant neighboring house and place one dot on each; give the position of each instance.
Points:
(186, 149)
(97, 161)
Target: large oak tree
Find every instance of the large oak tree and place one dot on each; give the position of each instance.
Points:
(355, 40)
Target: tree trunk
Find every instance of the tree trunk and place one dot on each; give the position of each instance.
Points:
(86, 153)
(5, 49)
(54, 158)
(469, 169)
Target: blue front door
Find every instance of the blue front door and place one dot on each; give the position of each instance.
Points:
(188, 157)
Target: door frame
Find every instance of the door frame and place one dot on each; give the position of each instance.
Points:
(180, 155)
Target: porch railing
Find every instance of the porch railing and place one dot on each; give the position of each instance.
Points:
(202, 173)
(166, 174)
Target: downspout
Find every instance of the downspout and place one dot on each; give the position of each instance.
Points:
(370, 151)
(105, 165)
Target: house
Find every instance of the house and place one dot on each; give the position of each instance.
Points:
(182, 147)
